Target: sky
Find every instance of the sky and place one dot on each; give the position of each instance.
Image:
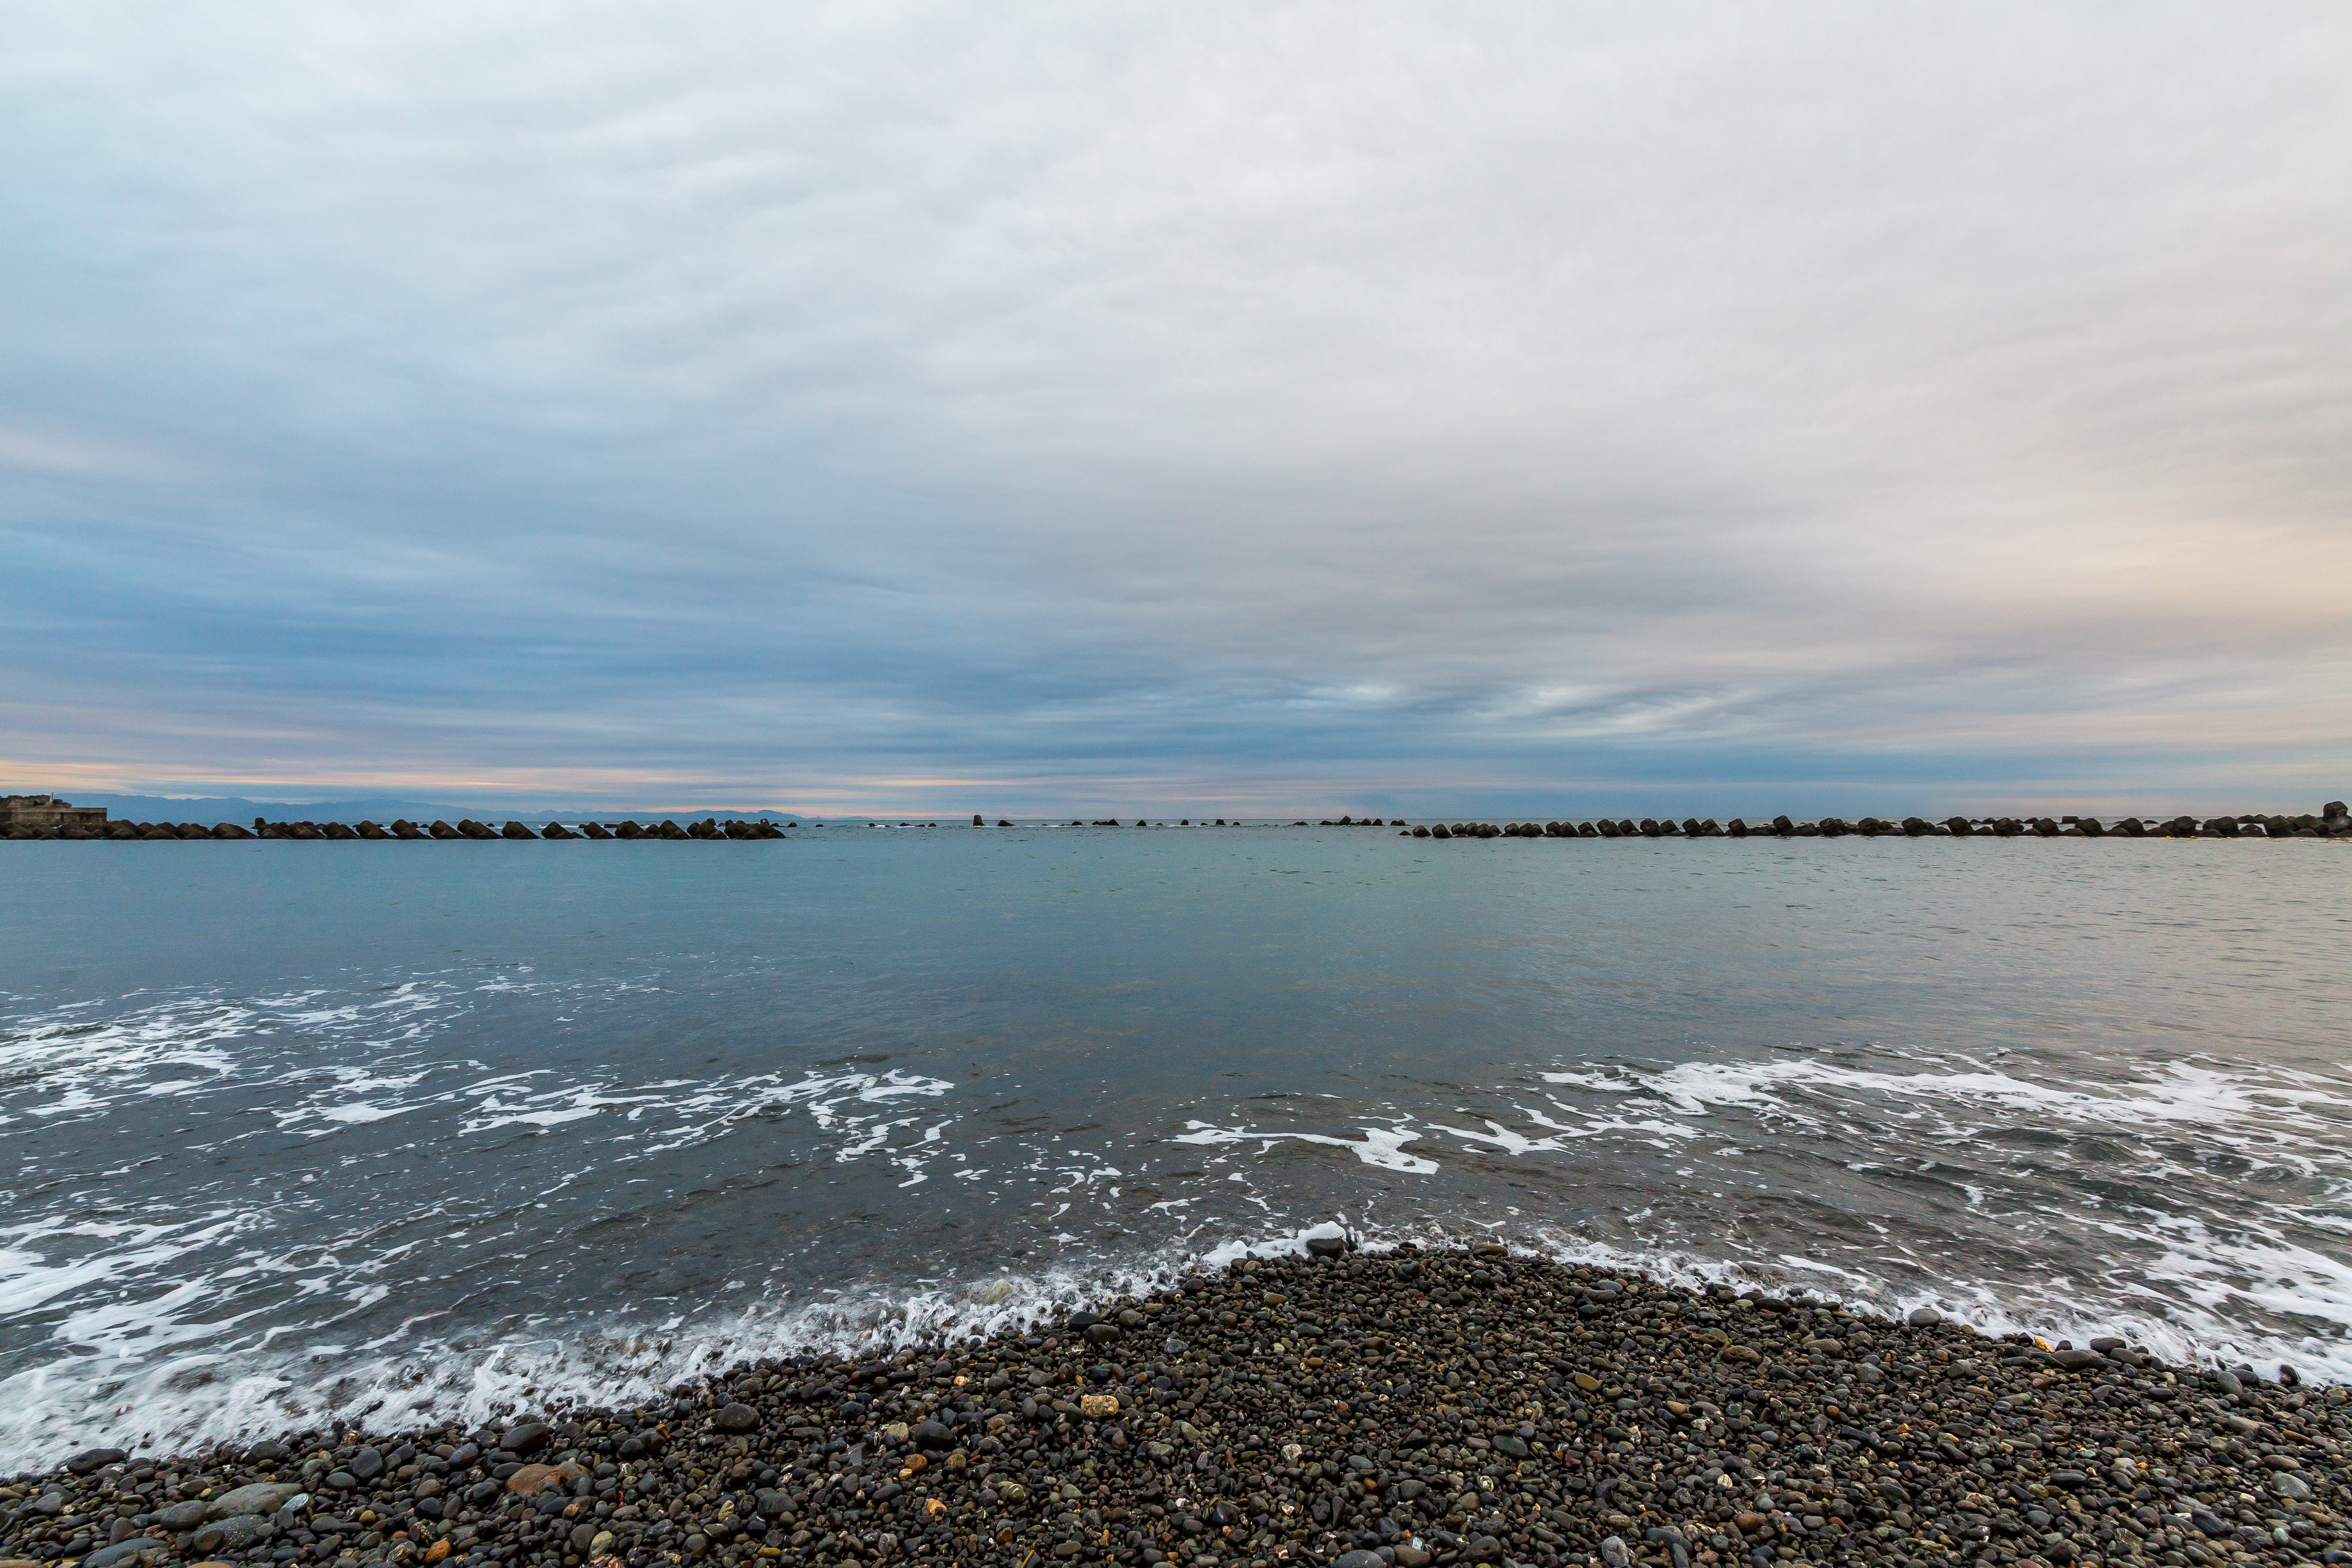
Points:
(1197, 408)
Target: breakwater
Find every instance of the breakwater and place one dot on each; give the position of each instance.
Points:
(2331, 821)
(708, 828)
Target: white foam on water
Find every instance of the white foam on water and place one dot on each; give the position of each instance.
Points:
(2201, 1096)
(1561, 1134)
(186, 1401)
(156, 1343)
(1380, 1146)
(200, 1319)
(183, 1401)
(2185, 1284)
(61, 1064)
(2189, 1285)
(663, 1115)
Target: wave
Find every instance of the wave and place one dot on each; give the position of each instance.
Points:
(2199, 1206)
(181, 1403)
(2223, 1104)
(184, 1401)
(262, 1281)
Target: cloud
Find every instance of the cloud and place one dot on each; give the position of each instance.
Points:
(1092, 406)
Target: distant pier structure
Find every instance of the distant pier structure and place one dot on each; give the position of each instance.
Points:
(47, 811)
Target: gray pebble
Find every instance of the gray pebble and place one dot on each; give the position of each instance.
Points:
(232, 1534)
(525, 1438)
(260, 1498)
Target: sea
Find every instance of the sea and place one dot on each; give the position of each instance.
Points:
(376, 1134)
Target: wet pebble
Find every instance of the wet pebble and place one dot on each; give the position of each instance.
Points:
(121, 1551)
(525, 1438)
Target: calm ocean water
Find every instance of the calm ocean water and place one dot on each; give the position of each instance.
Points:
(374, 1129)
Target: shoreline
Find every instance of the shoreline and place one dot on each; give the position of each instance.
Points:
(1414, 1407)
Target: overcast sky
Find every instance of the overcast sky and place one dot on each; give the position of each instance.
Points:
(1225, 406)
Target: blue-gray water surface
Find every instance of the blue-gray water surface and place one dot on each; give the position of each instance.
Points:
(290, 1131)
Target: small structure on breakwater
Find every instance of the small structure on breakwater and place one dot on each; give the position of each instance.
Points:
(47, 811)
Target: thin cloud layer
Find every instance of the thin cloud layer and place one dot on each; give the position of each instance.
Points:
(887, 406)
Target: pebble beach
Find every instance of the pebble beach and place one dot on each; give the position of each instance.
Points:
(1389, 1410)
